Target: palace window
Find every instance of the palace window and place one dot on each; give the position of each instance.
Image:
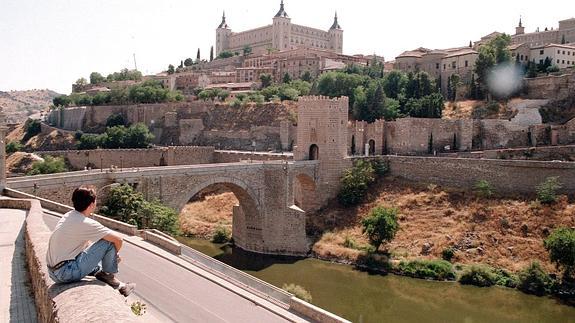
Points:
(541, 52)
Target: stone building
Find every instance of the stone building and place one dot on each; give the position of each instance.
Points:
(562, 56)
(564, 34)
(440, 64)
(281, 35)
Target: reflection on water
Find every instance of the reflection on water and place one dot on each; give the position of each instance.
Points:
(362, 297)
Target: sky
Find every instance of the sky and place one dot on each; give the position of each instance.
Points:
(52, 43)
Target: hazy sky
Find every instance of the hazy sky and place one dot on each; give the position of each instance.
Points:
(52, 43)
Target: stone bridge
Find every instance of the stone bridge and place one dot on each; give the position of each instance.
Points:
(273, 195)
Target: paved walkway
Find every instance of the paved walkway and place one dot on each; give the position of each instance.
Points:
(16, 301)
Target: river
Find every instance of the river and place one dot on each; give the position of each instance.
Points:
(362, 297)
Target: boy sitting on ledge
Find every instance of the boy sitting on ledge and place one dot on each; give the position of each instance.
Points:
(81, 246)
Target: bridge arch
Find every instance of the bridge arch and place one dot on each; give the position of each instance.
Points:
(305, 193)
(247, 217)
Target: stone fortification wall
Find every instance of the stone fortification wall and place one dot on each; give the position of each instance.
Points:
(127, 158)
(550, 87)
(67, 119)
(506, 176)
(64, 303)
(413, 135)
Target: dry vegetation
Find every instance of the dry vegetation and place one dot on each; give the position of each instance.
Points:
(505, 233)
(201, 218)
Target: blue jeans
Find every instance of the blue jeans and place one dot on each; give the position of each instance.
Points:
(101, 253)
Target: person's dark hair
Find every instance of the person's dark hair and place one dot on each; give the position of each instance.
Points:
(82, 197)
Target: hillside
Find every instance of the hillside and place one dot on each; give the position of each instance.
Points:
(19, 105)
(505, 233)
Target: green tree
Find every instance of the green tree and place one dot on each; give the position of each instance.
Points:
(81, 81)
(393, 84)
(49, 165)
(561, 247)
(115, 120)
(225, 54)
(301, 86)
(266, 80)
(198, 55)
(495, 52)
(381, 225)
(355, 182)
(188, 62)
(61, 101)
(534, 280)
(96, 78)
(247, 50)
(171, 69)
(138, 136)
(32, 127)
(306, 76)
(223, 95)
(13, 146)
(115, 137)
(286, 78)
(87, 142)
(211, 53)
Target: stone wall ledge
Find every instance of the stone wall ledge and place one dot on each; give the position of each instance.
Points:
(86, 301)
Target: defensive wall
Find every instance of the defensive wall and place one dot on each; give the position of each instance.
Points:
(554, 87)
(506, 176)
(191, 123)
(545, 153)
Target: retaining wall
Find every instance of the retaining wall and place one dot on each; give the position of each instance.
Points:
(506, 176)
(85, 301)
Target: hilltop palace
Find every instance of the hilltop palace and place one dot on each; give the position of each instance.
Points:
(281, 35)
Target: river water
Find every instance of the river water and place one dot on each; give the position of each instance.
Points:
(362, 297)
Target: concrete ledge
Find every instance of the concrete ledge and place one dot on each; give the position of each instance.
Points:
(61, 208)
(85, 301)
(160, 239)
(313, 312)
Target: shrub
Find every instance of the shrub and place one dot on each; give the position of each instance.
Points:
(427, 269)
(448, 253)
(298, 291)
(127, 205)
(221, 235)
(561, 247)
(88, 142)
(380, 167)
(534, 280)
(115, 120)
(350, 243)
(50, 165)
(483, 188)
(482, 276)
(355, 182)
(32, 128)
(13, 146)
(547, 191)
(381, 225)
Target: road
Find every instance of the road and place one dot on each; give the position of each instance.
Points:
(182, 295)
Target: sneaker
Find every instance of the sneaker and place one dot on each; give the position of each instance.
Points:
(127, 289)
(108, 279)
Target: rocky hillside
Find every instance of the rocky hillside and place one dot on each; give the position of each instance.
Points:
(19, 105)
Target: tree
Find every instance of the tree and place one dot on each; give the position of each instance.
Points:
(81, 81)
(226, 54)
(49, 165)
(61, 101)
(266, 80)
(380, 226)
(547, 191)
(138, 136)
(96, 78)
(286, 78)
(495, 52)
(170, 69)
(355, 182)
(452, 84)
(247, 50)
(188, 62)
(394, 83)
(306, 76)
(198, 55)
(211, 53)
(561, 247)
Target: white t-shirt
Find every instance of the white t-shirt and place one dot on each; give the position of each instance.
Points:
(73, 233)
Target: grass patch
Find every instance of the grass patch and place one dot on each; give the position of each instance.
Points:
(298, 291)
(427, 269)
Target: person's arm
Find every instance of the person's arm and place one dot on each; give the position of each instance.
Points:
(115, 239)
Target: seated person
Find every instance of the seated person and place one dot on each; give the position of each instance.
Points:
(81, 246)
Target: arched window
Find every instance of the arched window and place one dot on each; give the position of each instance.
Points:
(371, 147)
(313, 152)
